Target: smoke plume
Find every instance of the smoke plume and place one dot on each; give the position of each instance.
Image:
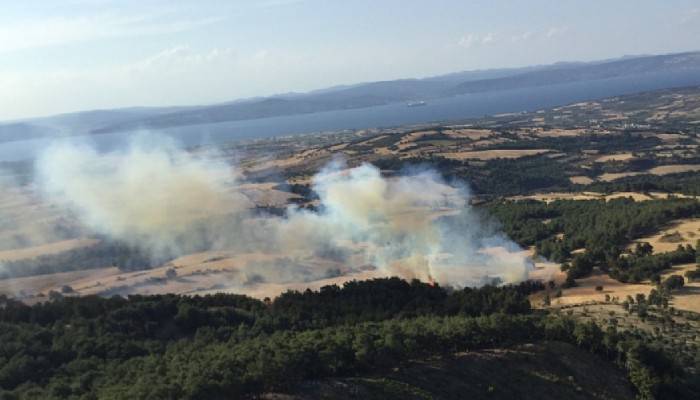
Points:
(168, 201)
(151, 194)
(414, 226)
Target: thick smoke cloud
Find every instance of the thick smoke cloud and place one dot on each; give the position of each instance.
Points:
(413, 226)
(168, 201)
(151, 194)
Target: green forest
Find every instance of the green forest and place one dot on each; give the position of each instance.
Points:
(230, 346)
(603, 228)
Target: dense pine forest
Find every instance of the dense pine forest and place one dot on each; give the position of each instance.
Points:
(603, 228)
(232, 346)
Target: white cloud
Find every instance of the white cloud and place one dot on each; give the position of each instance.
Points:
(556, 31)
(469, 40)
(59, 30)
(691, 16)
(278, 3)
(182, 56)
(522, 37)
(177, 75)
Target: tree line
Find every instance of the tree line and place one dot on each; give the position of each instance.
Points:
(104, 254)
(232, 346)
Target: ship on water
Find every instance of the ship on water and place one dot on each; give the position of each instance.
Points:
(416, 103)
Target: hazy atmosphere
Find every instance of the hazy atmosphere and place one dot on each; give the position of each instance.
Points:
(65, 56)
(376, 200)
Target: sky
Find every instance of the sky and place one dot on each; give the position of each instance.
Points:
(73, 55)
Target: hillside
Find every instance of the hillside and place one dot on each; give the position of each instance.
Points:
(547, 370)
(383, 338)
(595, 201)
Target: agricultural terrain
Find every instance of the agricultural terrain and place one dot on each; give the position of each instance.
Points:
(600, 196)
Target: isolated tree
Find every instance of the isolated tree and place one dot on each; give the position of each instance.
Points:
(626, 305)
(674, 282)
(654, 297)
(171, 273)
(643, 249)
(55, 296)
(693, 275)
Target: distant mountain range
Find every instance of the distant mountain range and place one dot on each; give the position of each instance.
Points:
(358, 96)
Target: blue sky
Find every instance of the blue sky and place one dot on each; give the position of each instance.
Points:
(70, 55)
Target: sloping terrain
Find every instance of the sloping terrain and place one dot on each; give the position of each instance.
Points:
(549, 370)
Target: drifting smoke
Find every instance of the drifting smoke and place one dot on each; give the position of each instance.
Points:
(414, 226)
(168, 201)
(151, 195)
(24, 221)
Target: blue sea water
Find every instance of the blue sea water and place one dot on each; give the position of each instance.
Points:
(444, 109)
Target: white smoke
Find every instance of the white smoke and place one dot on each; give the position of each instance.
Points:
(163, 199)
(413, 226)
(150, 194)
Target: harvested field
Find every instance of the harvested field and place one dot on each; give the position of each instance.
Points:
(615, 157)
(687, 298)
(46, 249)
(271, 290)
(45, 283)
(586, 291)
(493, 154)
(674, 169)
(554, 196)
(660, 170)
(681, 232)
(471, 134)
(264, 194)
(670, 137)
(609, 177)
(581, 180)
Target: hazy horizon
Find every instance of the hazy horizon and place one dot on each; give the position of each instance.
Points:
(99, 54)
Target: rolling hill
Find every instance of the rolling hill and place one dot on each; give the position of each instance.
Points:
(682, 69)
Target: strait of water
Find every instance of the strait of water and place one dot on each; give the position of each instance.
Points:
(444, 109)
